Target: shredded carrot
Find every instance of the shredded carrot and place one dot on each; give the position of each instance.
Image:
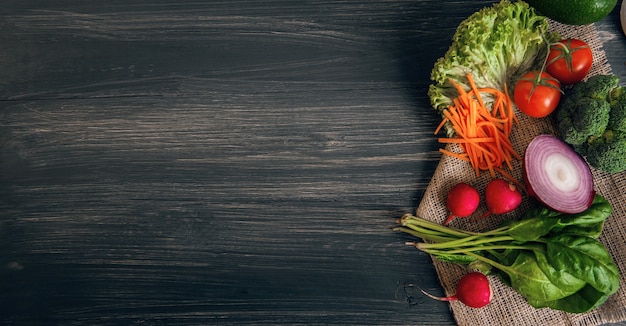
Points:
(483, 133)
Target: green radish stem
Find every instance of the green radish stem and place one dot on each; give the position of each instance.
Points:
(493, 263)
(409, 220)
(425, 236)
(466, 242)
(433, 251)
(448, 241)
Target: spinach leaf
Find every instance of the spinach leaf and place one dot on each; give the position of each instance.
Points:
(539, 221)
(582, 301)
(566, 282)
(455, 258)
(527, 278)
(591, 230)
(589, 223)
(530, 229)
(585, 258)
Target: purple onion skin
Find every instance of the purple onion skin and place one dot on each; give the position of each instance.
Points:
(553, 141)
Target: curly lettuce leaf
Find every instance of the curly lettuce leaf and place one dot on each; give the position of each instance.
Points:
(495, 45)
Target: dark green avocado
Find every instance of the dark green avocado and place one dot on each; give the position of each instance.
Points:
(574, 12)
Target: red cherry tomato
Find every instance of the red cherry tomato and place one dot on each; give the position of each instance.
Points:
(537, 94)
(569, 61)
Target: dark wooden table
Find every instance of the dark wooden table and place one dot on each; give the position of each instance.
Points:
(219, 162)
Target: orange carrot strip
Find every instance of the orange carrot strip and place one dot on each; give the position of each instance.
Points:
(465, 140)
(443, 122)
(475, 89)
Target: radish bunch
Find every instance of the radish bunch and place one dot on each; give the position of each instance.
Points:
(501, 197)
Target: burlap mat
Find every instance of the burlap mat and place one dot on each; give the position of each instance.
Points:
(508, 307)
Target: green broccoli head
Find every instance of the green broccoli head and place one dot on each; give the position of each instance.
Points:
(598, 87)
(581, 118)
(584, 109)
(592, 118)
(608, 152)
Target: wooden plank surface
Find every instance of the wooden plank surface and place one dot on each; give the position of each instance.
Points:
(222, 162)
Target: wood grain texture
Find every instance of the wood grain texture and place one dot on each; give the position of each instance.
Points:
(222, 162)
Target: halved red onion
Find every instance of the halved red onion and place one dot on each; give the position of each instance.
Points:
(557, 176)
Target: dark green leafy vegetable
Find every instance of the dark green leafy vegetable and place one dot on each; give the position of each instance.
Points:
(540, 221)
(552, 259)
(585, 258)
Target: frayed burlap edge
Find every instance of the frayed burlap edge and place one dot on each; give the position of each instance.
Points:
(508, 307)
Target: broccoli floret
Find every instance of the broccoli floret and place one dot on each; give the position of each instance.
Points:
(584, 109)
(592, 118)
(598, 87)
(608, 153)
(582, 117)
(617, 119)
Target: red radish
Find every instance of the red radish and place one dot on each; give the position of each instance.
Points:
(462, 201)
(501, 197)
(473, 290)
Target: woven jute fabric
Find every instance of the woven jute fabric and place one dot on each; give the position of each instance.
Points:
(508, 307)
